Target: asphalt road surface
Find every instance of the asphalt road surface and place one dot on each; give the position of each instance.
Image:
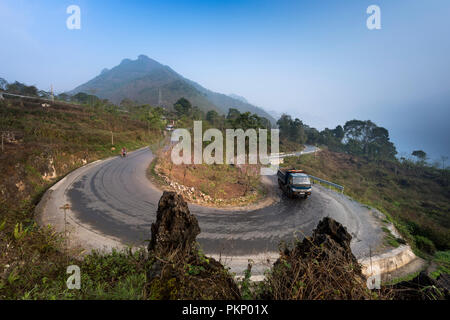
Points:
(115, 198)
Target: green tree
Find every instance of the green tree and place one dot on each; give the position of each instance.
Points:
(21, 89)
(297, 132)
(183, 107)
(265, 123)
(155, 118)
(44, 94)
(212, 116)
(420, 155)
(366, 138)
(127, 104)
(339, 133)
(312, 135)
(292, 130)
(3, 84)
(233, 114)
(81, 97)
(63, 97)
(246, 120)
(197, 114)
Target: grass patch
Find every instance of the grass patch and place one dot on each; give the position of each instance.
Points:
(389, 238)
(408, 277)
(442, 260)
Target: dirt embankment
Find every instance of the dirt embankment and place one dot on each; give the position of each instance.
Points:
(217, 185)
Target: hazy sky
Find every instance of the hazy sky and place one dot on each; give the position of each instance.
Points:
(315, 60)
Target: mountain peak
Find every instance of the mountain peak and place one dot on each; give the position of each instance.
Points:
(126, 60)
(149, 82)
(143, 57)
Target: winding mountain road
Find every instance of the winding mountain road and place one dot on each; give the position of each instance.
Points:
(114, 200)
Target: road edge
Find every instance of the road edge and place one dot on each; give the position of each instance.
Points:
(54, 210)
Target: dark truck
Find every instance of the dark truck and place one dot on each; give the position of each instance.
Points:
(294, 182)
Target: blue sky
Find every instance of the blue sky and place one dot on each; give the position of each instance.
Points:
(315, 60)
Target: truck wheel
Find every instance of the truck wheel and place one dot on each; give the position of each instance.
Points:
(306, 196)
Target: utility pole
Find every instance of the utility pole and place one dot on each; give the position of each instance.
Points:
(159, 97)
(52, 97)
(91, 98)
(443, 158)
(112, 138)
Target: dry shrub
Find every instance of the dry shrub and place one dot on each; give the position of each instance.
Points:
(321, 267)
(189, 276)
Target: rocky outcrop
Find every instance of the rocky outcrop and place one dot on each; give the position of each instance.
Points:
(319, 267)
(175, 227)
(329, 239)
(333, 235)
(179, 269)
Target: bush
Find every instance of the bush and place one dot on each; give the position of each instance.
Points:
(442, 260)
(425, 244)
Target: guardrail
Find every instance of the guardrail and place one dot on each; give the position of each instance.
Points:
(341, 188)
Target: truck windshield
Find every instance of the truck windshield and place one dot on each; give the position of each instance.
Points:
(301, 180)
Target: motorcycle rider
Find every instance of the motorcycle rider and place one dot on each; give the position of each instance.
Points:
(124, 152)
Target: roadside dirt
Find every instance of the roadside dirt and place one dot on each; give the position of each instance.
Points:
(222, 186)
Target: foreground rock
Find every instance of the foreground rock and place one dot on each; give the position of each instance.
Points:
(175, 228)
(319, 267)
(179, 269)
